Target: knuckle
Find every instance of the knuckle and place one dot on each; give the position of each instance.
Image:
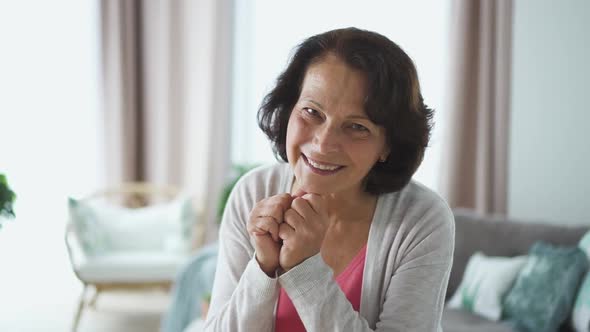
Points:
(276, 212)
(252, 213)
(261, 223)
(290, 214)
(268, 222)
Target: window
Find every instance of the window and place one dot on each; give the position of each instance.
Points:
(48, 150)
(266, 31)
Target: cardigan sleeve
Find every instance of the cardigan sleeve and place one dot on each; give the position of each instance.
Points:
(243, 297)
(414, 292)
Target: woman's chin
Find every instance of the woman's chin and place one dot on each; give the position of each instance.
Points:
(315, 188)
(312, 183)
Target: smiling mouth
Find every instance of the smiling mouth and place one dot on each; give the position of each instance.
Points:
(319, 168)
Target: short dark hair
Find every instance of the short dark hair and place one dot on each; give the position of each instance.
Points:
(393, 100)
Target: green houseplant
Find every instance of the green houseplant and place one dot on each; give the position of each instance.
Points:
(7, 197)
(236, 173)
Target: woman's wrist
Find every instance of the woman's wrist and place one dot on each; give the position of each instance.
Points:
(268, 269)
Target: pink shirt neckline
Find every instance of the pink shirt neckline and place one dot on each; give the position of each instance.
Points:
(358, 259)
(350, 281)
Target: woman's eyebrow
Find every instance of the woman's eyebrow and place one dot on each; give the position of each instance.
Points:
(360, 117)
(314, 102)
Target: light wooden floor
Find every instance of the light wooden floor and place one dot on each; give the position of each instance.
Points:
(125, 312)
(40, 293)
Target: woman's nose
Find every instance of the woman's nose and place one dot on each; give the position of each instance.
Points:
(326, 139)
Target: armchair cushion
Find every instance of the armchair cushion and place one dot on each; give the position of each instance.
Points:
(131, 267)
(106, 228)
(89, 233)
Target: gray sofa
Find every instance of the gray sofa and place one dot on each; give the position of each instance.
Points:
(496, 236)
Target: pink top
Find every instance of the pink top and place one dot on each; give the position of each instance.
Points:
(350, 281)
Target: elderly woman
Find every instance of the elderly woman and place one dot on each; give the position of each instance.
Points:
(337, 238)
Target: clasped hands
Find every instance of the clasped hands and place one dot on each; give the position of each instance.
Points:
(287, 230)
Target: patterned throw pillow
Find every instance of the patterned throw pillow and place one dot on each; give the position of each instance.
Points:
(581, 311)
(485, 282)
(544, 291)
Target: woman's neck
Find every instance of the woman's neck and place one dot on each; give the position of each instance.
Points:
(351, 208)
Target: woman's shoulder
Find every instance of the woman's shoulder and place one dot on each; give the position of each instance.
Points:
(422, 195)
(415, 202)
(417, 215)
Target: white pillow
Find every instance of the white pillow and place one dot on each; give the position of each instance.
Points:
(485, 282)
(104, 227)
(90, 233)
(581, 310)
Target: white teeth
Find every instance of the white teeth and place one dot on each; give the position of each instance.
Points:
(322, 167)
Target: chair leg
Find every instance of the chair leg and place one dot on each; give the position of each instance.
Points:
(80, 308)
(92, 302)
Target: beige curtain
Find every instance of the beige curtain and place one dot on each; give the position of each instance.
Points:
(475, 161)
(166, 69)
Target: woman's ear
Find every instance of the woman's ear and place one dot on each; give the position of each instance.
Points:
(384, 155)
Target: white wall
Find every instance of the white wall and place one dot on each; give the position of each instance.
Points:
(49, 147)
(550, 144)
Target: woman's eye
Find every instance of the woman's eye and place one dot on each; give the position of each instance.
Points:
(311, 111)
(358, 127)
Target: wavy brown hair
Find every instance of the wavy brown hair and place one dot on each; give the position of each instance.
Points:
(393, 100)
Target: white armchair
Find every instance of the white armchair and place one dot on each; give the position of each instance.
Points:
(138, 243)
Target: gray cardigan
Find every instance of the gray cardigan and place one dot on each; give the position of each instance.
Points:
(409, 258)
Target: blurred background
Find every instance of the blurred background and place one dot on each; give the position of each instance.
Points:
(95, 93)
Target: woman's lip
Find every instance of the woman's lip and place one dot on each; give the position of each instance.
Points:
(320, 171)
(319, 161)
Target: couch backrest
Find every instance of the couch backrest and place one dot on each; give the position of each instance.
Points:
(496, 236)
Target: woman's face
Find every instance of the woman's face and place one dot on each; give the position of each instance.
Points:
(331, 143)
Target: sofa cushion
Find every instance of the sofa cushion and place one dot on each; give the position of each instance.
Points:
(544, 291)
(499, 236)
(485, 282)
(458, 320)
(581, 311)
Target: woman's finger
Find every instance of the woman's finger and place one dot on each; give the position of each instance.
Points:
(293, 219)
(281, 200)
(274, 207)
(303, 207)
(286, 231)
(268, 225)
(274, 212)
